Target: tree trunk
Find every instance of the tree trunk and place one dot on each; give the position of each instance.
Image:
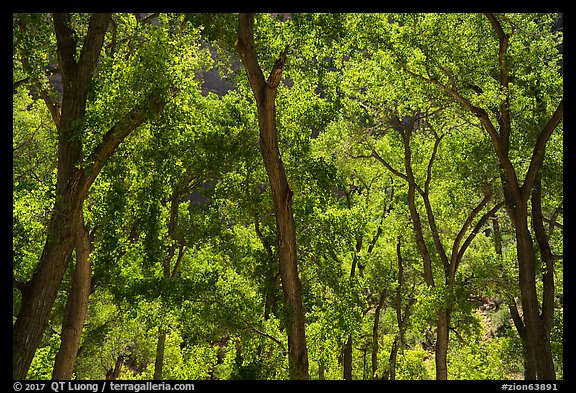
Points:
(537, 335)
(529, 359)
(114, 373)
(442, 338)
(159, 363)
(401, 315)
(348, 359)
(265, 94)
(374, 358)
(76, 309)
(170, 273)
(40, 293)
(321, 372)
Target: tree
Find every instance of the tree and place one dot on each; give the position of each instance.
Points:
(265, 92)
(81, 157)
(359, 234)
(516, 191)
(71, 187)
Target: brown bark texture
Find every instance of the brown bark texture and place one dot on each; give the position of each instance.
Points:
(76, 309)
(516, 195)
(40, 293)
(73, 181)
(265, 95)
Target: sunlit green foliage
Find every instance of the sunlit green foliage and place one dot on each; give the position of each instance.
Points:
(181, 216)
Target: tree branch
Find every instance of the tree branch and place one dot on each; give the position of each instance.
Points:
(475, 230)
(545, 254)
(465, 226)
(539, 148)
(53, 108)
(245, 47)
(264, 334)
(482, 115)
(90, 53)
(19, 83)
(119, 131)
(505, 103)
(552, 220)
(276, 73)
(431, 162)
(387, 165)
(429, 213)
(66, 44)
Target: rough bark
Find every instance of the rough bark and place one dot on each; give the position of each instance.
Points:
(516, 195)
(76, 308)
(265, 95)
(40, 293)
(159, 362)
(72, 184)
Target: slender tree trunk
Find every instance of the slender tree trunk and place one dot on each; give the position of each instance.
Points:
(159, 362)
(321, 372)
(76, 309)
(170, 272)
(374, 358)
(347, 360)
(114, 373)
(348, 349)
(265, 94)
(529, 359)
(402, 315)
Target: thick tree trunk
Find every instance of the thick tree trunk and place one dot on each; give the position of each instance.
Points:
(40, 293)
(282, 197)
(537, 334)
(265, 94)
(76, 309)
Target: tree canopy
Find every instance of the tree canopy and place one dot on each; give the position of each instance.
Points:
(366, 196)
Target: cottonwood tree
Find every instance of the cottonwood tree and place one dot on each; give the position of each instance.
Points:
(498, 97)
(264, 90)
(81, 156)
